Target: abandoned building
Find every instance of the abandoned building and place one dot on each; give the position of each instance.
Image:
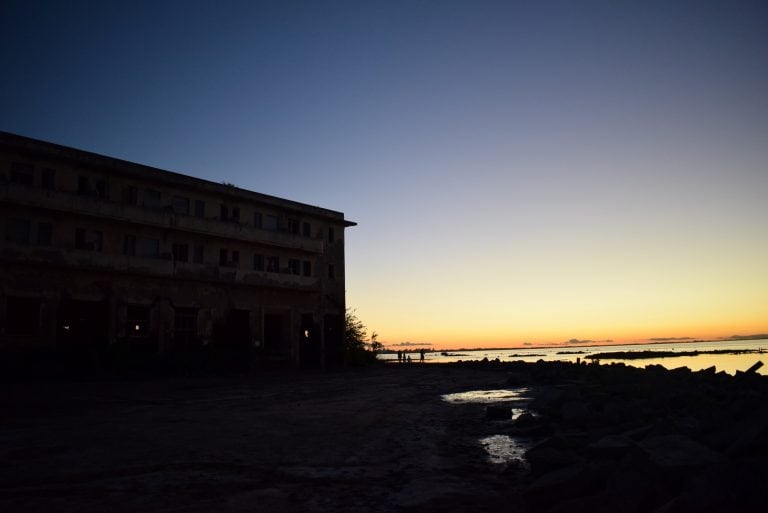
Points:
(103, 258)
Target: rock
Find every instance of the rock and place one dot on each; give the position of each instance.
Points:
(574, 411)
(560, 485)
(612, 446)
(518, 379)
(544, 459)
(677, 452)
(498, 412)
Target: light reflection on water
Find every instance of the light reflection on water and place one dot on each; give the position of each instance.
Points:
(487, 396)
(503, 449)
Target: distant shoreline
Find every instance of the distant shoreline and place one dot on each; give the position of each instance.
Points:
(738, 338)
(645, 355)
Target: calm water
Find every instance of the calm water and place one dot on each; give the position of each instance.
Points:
(729, 363)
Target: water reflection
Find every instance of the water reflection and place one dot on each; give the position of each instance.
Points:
(487, 396)
(503, 449)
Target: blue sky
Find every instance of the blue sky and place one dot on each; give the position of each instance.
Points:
(520, 171)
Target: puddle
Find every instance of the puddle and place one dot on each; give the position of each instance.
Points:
(503, 449)
(487, 396)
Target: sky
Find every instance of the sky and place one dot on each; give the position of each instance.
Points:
(520, 171)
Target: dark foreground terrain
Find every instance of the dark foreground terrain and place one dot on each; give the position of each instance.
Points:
(608, 438)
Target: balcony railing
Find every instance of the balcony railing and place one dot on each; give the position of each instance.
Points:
(96, 207)
(78, 259)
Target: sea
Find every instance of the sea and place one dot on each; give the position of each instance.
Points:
(729, 363)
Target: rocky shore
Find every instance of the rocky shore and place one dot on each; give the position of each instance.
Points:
(619, 438)
(598, 438)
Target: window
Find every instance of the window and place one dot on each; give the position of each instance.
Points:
(22, 173)
(199, 254)
(226, 261)
(184, 326)
(306, 229)
(257, 220)
(181, 252)
(18, 231)
(331, 271)
(147, 248)
(83, 185)
(137, 321)
(131, 195)
(223, 212)
(180, 205)
(273, 264)
(101, 188)
(89, 240)
(199, 208)
(236, 214)
(258, 262)
(270, 223)
(293, 266)
(153, 199)
(331, 234)
(129, 245)
(307, 268)
(44, 232)
(48, 178)
(293, 226)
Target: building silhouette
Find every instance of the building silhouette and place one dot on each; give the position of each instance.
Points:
(104, 259)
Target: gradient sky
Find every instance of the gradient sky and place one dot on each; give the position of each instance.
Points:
(521, 171)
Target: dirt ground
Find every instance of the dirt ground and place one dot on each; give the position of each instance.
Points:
(368, 440)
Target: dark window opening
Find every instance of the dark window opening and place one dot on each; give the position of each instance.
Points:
(83, 185)
(199, 254)
(148, 248)
(222, 257)
(44, 234)
(293, 226)
(199, 208)
(270, 223)
(22, 173)
(101, 188)
(48, 178)
(331, 235)
(257, 220)
(184, 327)
(129, 245)
(273, 264)
(137, 321)
(307, 268)
(18, 231)
(90, 240)
(235, 214)
(306, 229)
(181, 252)
(293, 266)
(131, 195)
(235, 259)
(258, 262)
(153, 199)
(181, 205)
(223, 212)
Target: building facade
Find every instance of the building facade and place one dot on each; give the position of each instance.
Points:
(102, 257)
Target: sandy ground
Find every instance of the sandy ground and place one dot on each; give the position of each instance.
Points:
(365, 440)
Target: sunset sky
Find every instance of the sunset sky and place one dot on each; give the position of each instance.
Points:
(521, 171)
